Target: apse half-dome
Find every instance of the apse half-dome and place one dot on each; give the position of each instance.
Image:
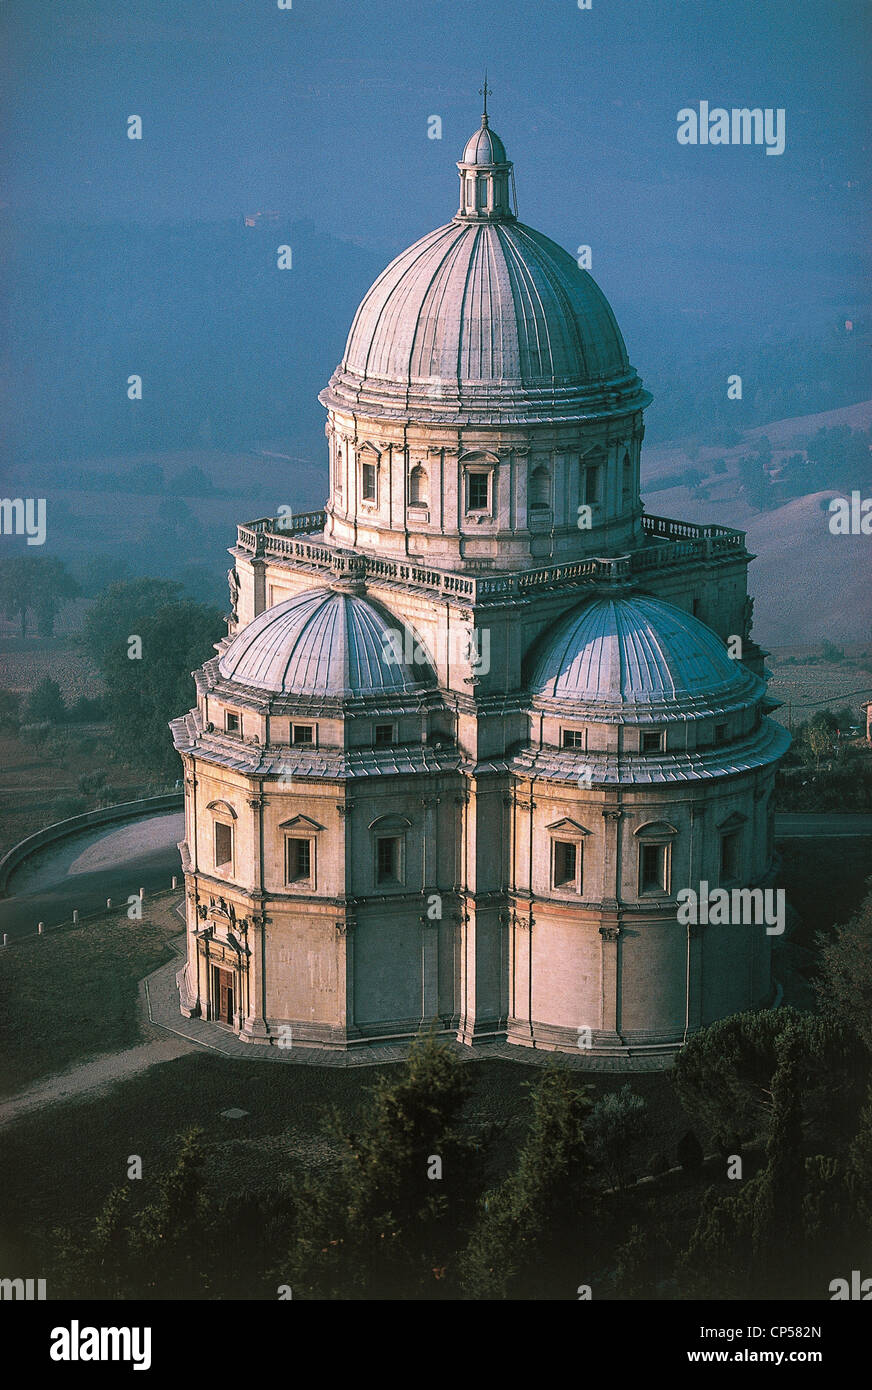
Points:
(324, 642)
(637, 652)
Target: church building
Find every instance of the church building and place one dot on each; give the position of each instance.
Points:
(478, 722)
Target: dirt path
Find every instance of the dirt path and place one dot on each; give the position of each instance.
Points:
(92, 1077)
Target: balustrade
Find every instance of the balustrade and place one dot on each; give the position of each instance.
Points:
(675, 542)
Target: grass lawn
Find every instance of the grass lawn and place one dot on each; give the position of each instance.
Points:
(72, 994)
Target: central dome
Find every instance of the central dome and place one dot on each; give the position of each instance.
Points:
(485, 319)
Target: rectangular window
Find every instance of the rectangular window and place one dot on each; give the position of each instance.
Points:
(232, 723)
(654, 869)
(720, 733)
(299, 866)
(591, 485)
(730, 845)
(573, 738)
(567, 864)
(302, 733)
(477, 492)
(223, 844)
(384, 735)
(369, 482)
(653, 740)
(387, 864)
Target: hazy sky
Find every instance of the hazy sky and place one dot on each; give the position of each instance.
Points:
(321, 111)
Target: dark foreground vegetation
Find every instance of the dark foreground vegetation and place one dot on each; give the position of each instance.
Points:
(410, 1191)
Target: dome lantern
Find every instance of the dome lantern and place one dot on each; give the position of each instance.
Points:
(485, 174)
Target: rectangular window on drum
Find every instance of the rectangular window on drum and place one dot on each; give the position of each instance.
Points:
(388, 859)
(299, 869)
(223, 844)
(653, 869)
(567, 856)
(477, 492)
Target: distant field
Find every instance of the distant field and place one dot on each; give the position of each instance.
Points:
(807, 689)
(34, 778)
(24, 663)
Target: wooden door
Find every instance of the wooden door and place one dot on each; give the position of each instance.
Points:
(222, 994)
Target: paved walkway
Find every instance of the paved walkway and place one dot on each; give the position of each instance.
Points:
(93, 1077)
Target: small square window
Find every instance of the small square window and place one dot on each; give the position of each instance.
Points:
(567, 863)
(299, 861)
(368, 479)
(573, 738)
(653, 740)
(383, 735)
(477, 492)
(654, 869)
(388, 859)
(302, 733)
(232, 722)
(720, 733)
(223, 844)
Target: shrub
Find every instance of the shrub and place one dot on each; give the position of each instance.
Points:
(690, 1153)
(46, 703)
(36, 733)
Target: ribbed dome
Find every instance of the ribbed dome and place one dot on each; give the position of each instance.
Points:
(322, 642)
(484, 147)
(637, 651)
(486, 320)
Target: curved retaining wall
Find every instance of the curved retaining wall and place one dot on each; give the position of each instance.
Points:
(126, 810)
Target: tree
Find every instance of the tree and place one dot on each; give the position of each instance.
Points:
(119, 612)
(35, 583)
(831, 653)
(844, 986)
(529, 1241)
(9, 711)
(169, 1239)
(46, 703)
(690, 1152)
(821, 744)
(748, 1240)
(160, 1251)
(617, 1126)
(388, 1222)
(724, 1074)
(148, 682)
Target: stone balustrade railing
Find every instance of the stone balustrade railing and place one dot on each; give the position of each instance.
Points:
(677, 542)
